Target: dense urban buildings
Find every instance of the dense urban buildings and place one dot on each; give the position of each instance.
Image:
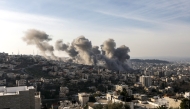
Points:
(34, 82)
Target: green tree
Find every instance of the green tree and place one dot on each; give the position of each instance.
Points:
(117, 105)
(184, 104)
(124, 92)
(126, 106)
(173, 108)
(99, 106)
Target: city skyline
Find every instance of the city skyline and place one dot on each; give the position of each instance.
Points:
(148, 28)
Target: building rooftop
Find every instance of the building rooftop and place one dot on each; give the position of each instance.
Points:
(13, 90)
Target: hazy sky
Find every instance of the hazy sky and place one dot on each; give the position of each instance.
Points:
(150, 28)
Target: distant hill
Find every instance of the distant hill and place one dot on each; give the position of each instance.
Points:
(150, 61)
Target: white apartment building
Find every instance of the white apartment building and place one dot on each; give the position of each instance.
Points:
(146, 81)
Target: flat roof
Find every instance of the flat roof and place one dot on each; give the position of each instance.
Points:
(13, 90)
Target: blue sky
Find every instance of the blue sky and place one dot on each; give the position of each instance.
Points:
(150, 28)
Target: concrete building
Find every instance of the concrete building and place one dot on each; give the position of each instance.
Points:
(22, 97)
(146, 81)
(63, 91)
(37, 100)
(21, 82)
(69, 105)
(157, 101)
(182, 77)
(122, 87)
(11, 75)
(3, 82)
(173, 102)
(114, 99)
(187, 95)
(83, 98)
(1, 73)
(141, 97)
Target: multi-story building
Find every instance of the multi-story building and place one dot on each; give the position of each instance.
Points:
(22, 97)
(146, 81)
(83, 98)
(63, 91)
(122, 87)
(21, 82)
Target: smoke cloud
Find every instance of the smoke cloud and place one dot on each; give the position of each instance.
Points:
(59, 45)
(109, 47)
(95, 50)
(122, 53)
(40, 39)
(82, 52)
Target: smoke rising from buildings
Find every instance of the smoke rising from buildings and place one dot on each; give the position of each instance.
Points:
(84, 48)
(40, 39)
(82, 52)
(109, 48)
(122, 53)
(59, 45)
(95, 50)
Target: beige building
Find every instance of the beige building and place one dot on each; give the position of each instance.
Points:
(83, 98)
(22, 97)
(122, 87)
(173, 102)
